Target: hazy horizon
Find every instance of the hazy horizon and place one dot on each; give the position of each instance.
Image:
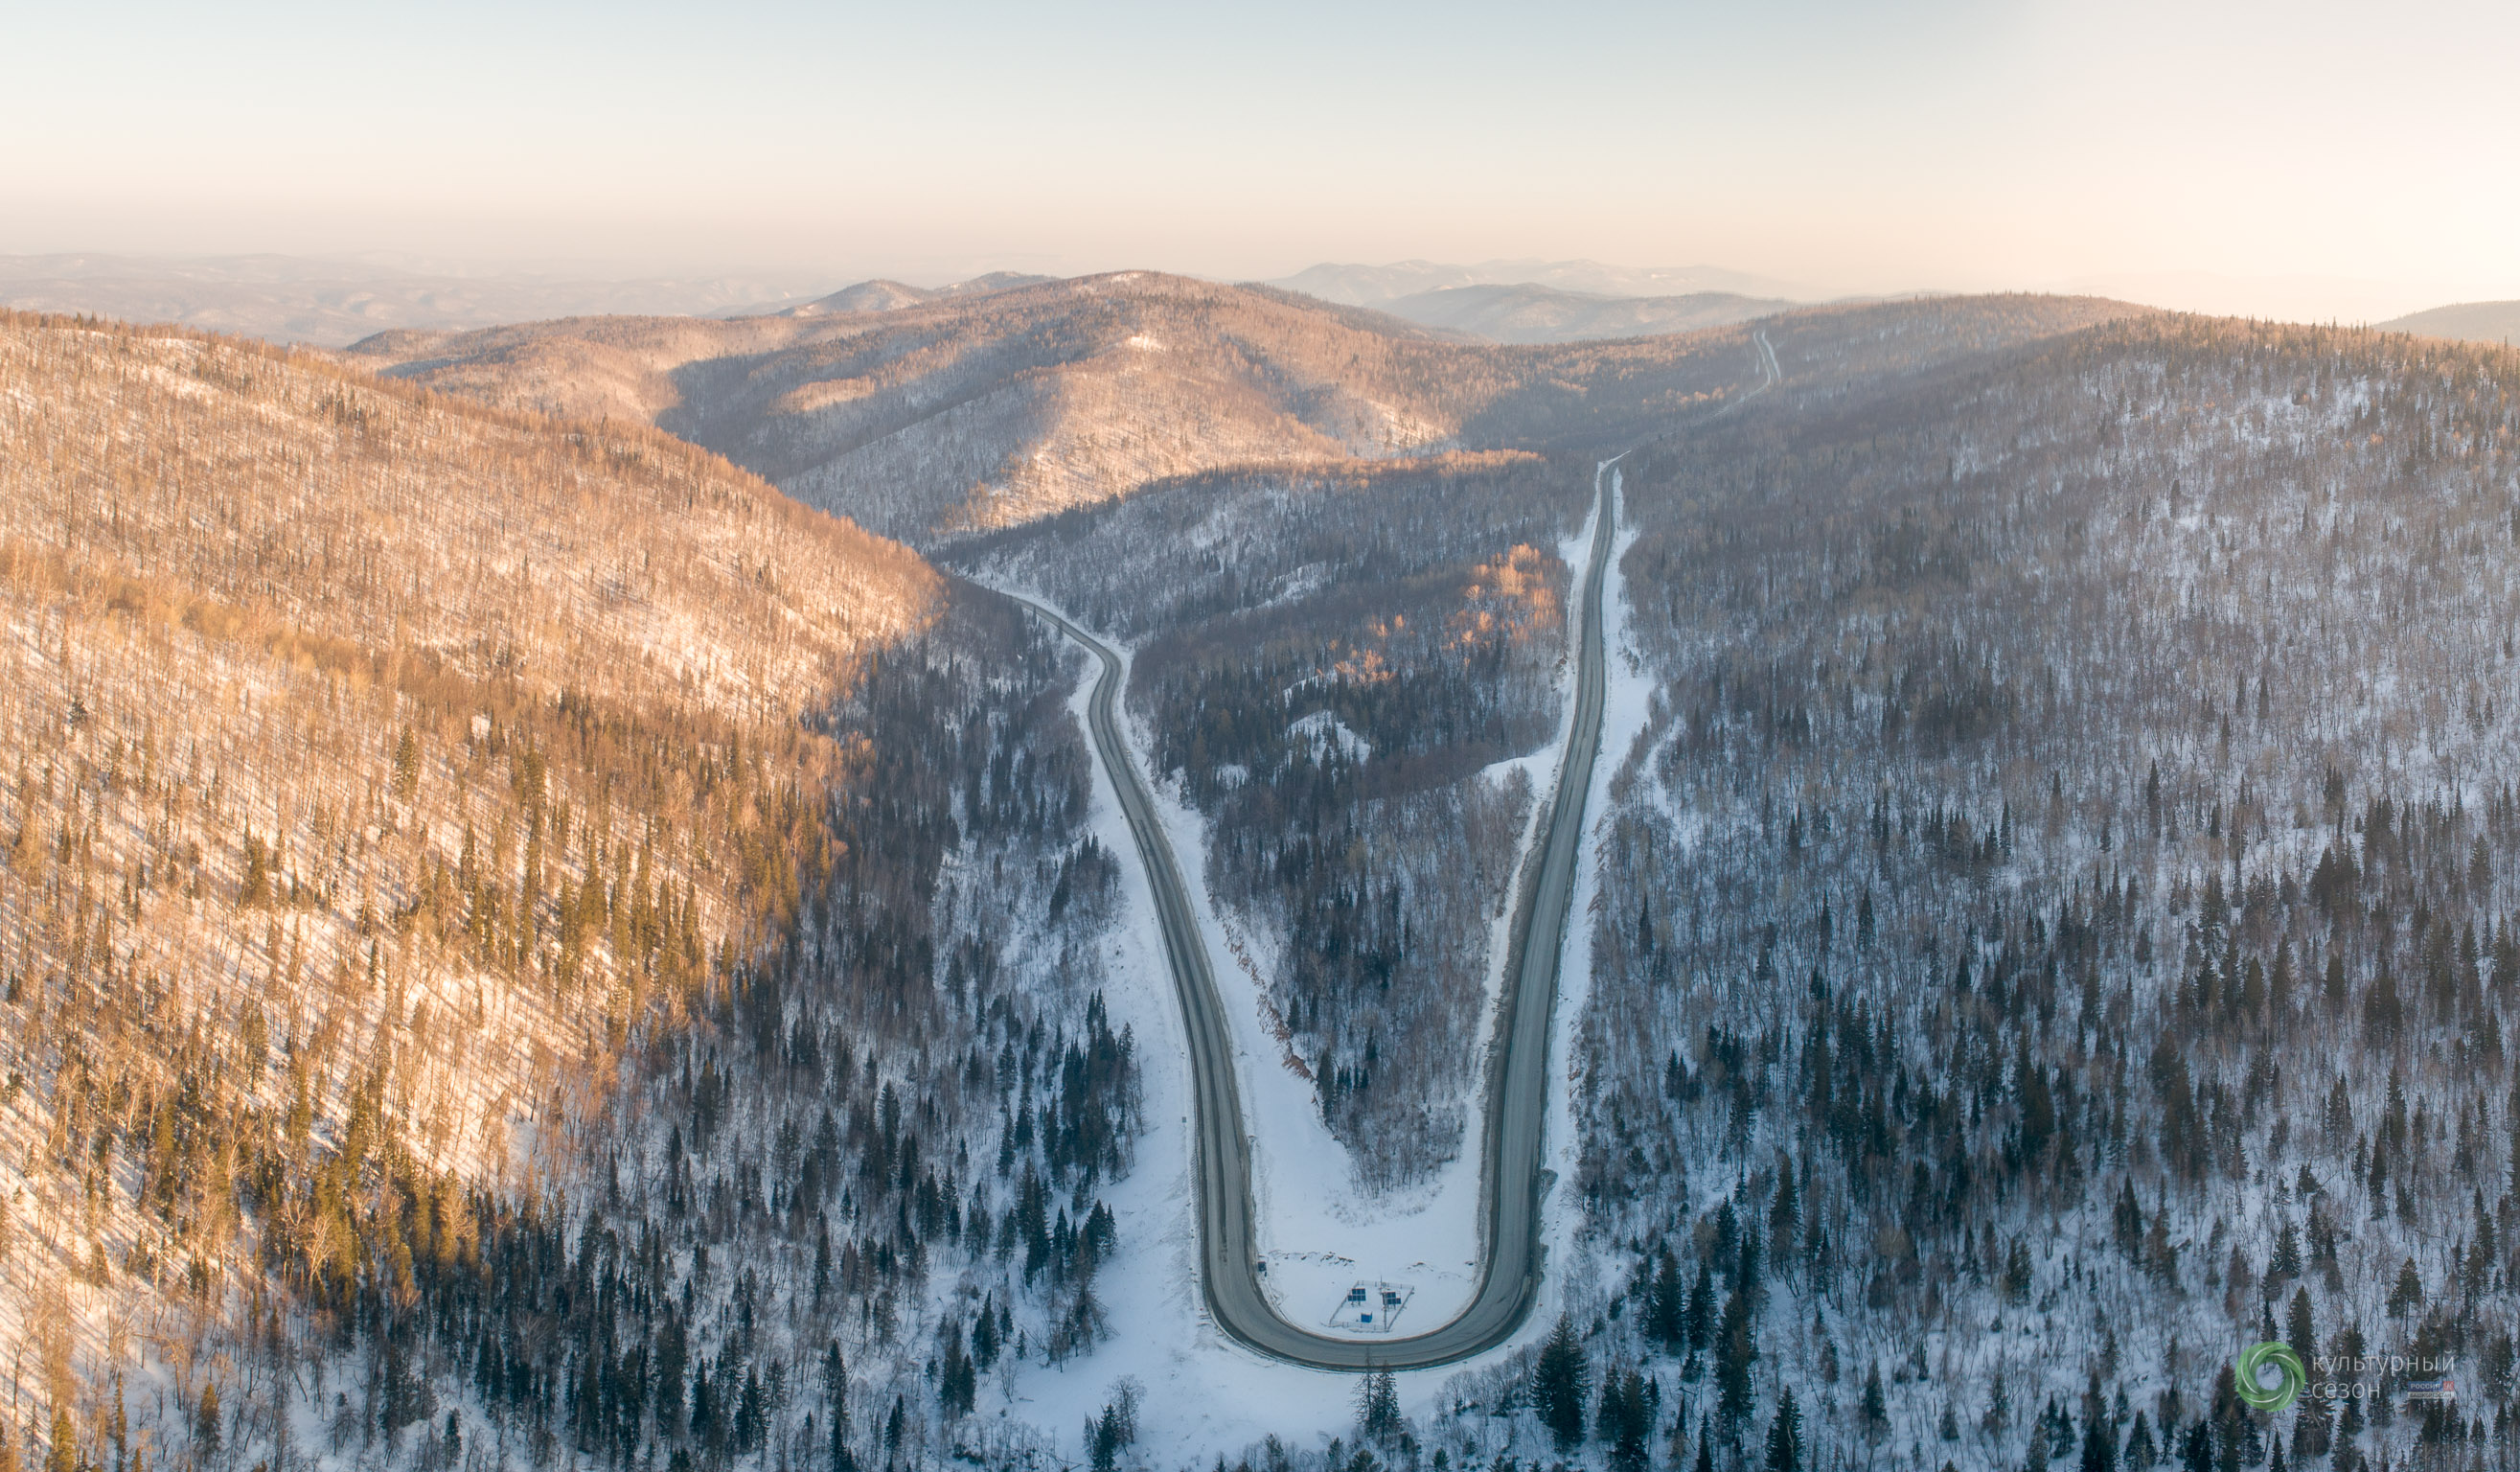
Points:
(2306, 154)
(758, 287)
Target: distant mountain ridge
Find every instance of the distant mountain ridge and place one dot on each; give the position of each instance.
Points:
(1381, 285)
(884, 295)
(2470, 321)
(943, 418)
(330, 303)
(980, 408)
(1528, 314)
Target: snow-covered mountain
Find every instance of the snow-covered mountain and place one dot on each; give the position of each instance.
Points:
(883, 295)
(389, 778)
(967, 410)
(958, 415)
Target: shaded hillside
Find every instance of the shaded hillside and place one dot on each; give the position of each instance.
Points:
(1336, 669)
(943, 418)
(1328, 671)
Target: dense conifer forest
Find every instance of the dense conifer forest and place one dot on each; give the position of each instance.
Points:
(2057, 926)
(525, 948)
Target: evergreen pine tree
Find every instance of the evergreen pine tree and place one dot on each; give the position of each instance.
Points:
(206, 1422)
(1699, 1318)
(2141, 1451)
(1877, 1406)
(1377, 1405)
(2285, 1263)
(1735, 1350)
(1998, 1408)
(1620, 1422)
(1667, 1304)
(1785, 1435)
(2100, 1446)
(1561, 1384)
(2408, 1294)
(2297, 1327)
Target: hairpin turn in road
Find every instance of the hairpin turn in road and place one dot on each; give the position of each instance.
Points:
(1518, 1085)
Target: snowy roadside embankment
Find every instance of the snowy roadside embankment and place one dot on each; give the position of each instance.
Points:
(1199, 1390)
(1319, 1231)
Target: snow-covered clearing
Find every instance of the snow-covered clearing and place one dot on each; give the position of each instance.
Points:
(1328, 733)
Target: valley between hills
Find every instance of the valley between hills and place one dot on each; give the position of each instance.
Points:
(552, 916)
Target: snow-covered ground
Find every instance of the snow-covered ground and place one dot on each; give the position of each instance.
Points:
(1201, 1391)
(1627, 698)
(1327, 732)
(1321, 1232)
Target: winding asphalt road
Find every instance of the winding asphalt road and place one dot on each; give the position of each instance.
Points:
(1517, 1090)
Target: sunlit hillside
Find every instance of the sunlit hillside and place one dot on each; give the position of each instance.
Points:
(377, 767)
(973, 412)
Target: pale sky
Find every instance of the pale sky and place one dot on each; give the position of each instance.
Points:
(2360, 154)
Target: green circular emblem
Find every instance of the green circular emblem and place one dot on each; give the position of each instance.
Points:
(2261, 1364)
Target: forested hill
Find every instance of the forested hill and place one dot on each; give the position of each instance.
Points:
(940, 419)
(1342, 667)
(431, 841)
(965, 413)
(524, 943)
(376, 764)
(1336, 671)
(2058, 927)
